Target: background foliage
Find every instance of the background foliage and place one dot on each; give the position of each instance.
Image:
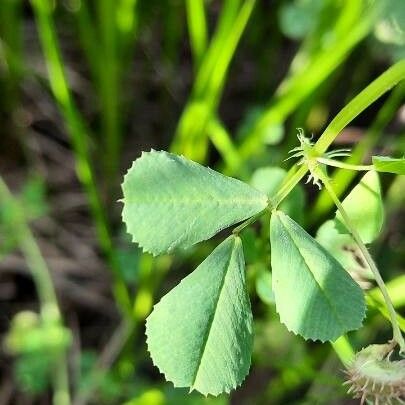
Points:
(86, 86)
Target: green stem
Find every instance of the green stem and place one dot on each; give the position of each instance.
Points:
(197, 27)
(343, 349)
(342, 178)
(342, 165)
(299, 85)
(371, 93)
(248, 222)
(50, 312)
(287, 187)
(397, 336)
(222, 141)
(190, 137)
(109, 88)
(79, 135)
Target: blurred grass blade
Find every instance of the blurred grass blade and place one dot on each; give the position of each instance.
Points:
(222, 141)
(50, 311)
(109, 71)
(191, 134)
(197, 26)
(79, 134)
(304, 81)
(342, 178)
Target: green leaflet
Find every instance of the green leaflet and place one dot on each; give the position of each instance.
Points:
(200, 333)
(364, 207)
(171, 202)
(315, 297)
(389, 165)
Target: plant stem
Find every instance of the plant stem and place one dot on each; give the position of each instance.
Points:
(248, 222)
(106, 359)
(197, 26)
(371, 93)
(50, 312)
(108, 87)
(190, 137)
(342, 178)
(397, 336)
(342, 165)
(343, 349)
(301, 83)
(287, 187)
(79, 135)
(222, 141)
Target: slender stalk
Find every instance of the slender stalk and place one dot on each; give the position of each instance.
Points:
(343, 165)
(342, 178)
(106, 359)
(296, 87)
(371, 93)
(79, 134)
(380, 306)
(248, 222)
(197, 27)
(397, 336)
(343, 349)
(191, 133)
(287, 187)
(50, 312)
(222, 141)
(109, 88)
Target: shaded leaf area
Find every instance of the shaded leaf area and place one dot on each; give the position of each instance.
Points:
(263, 285)
(315, 297)
(171, 202)
(364, 207)
(345, 250)
(200, 334)
(389, 165)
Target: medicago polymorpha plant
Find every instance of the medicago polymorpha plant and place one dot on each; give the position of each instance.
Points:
(200, 334)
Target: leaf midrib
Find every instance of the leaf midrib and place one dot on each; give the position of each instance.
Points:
(213, 314)
(229, 201)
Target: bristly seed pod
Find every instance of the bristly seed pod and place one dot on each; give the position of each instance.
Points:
(373, 377)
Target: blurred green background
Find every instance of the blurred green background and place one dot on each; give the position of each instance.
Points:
(86, 85)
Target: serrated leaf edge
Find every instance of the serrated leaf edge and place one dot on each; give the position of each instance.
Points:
(156, 253)
(192, 388)
(307, 337)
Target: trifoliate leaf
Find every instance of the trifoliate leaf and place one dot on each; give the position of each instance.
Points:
(200, 333)
(389, 165)
(171, 202)
(315, 297)
(364, 207)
